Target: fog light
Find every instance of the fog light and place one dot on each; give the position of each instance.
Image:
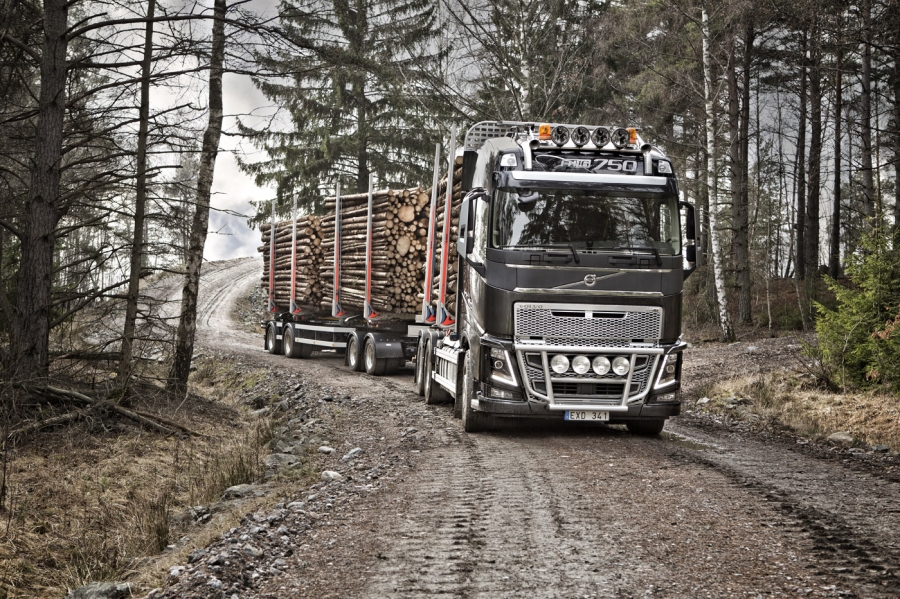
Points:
(580, 364)
(580, 136)
(621, 366)
(600, 136)
(559, 364)
(601, 365)
(560, 135)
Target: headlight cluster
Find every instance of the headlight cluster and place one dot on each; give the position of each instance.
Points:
(667, 372)
(600, 137)
(501, 367)
(601, 365)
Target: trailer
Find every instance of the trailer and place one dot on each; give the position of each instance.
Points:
(371, 342)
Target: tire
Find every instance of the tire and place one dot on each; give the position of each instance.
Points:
(273, 345)
(472, 421)
(434, 393)
(373, 365)
(458, 402)
(354, 357)
(304, 350)
(646, 428)
(419, 379)
(394, 365)
(291, 347)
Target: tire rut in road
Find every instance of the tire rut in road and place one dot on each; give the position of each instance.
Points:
(850, 518)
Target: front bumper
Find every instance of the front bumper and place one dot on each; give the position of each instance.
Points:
(536, 409)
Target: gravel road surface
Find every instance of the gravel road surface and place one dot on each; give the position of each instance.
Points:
(547, 510)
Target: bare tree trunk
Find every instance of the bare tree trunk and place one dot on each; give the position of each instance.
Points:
(834, 254)
(865, 103)
(742, 224)
(800, 257)
(811, 225)
(30, 330)
(187, 324)
(140, 201)
(716, 254)
(896, 83)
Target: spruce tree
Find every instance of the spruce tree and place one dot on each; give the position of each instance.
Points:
(353, 84)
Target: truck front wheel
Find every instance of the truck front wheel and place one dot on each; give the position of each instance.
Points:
(647, 428)
(472, 421)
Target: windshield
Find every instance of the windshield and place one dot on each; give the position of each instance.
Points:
(586, 220)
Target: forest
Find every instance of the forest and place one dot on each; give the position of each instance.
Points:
(781, 118)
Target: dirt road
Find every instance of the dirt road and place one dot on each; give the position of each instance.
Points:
(552, 510)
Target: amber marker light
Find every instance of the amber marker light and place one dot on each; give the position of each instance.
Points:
(632, 135)
(544, 131)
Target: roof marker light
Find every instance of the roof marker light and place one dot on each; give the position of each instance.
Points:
(620, 137)
(544, 131)
(600, 136)
(580, 136)
(632, 135)
(560, 135)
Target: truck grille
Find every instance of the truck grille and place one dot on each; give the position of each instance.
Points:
(580, 323)
(630, 331)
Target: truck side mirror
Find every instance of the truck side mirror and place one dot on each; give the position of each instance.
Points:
(691, 226)
(465, 242)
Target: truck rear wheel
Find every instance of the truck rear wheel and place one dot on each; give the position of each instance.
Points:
(647, 428)
(472, 421)
(273, 345)
(419, 384)
(374, 365)
(289, 343)
(354, 354)
(434, 393)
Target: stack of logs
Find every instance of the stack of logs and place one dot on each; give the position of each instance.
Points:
(399, 246)
(309, 261)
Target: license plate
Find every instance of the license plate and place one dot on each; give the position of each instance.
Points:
(587, 416)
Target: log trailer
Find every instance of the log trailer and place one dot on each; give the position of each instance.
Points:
(570, 272)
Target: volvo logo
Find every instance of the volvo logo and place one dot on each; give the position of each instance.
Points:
(590, 280)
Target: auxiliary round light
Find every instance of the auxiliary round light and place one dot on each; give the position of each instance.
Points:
(580, 364)
(600, 136)
(580, 136)
(621, 137)
(559, 364)
(601, 365)
(621, 365)
(560, 135)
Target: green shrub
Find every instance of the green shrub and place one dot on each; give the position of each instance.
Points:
(857, 344)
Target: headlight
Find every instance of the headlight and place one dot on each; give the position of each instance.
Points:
(664, 168)
(580, 136)
(580, 364)
(502, 367)
(621, 137)
(601, 365)
(559, 364)
(600, 136)
(666, 373)
(560, 135)
(621, 365)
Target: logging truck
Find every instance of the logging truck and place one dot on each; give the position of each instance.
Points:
(568, 260)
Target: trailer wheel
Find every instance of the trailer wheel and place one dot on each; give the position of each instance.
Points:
(374, 366)
(419, 385)
(394, 365)
(304, 350)
(273, 345)
(434, 393)
(472, 421)
(646, 428)
(354, 358)
(289, 343)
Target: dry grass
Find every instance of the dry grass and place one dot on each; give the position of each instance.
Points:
(791, 399)
(96, 499)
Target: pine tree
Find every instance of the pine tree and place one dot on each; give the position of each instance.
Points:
(354, 88)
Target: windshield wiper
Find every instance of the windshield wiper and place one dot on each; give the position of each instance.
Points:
(546, 245)
(639, 248)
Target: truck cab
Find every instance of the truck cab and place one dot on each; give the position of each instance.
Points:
(571, 264)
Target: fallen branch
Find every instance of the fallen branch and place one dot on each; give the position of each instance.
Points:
(56, 420)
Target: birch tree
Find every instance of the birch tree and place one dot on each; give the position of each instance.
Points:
(716, 258)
